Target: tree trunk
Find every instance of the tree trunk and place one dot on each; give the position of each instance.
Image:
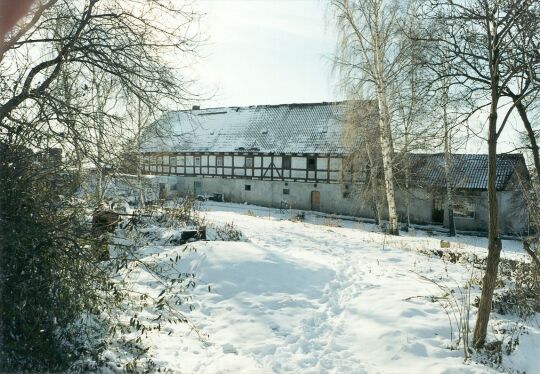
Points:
(449, 196)
(494, 241)
(375, 189)
(140, 187)
(407, 180)
(385, 131)
(387, 154)
(447, 167)
(141, 202)
(99, 170)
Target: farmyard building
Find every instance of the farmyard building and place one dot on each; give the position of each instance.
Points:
(270, 154)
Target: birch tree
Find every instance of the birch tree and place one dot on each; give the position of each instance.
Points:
(414, 127)
(370, 57)
(447, 129)
(362, 167)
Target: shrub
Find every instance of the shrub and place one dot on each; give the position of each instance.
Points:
(48, 273)
(63, 304)
(229, 232)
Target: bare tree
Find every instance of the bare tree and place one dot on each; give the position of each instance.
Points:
(122, 43)
(526, 89)
(478, 47)
(370, 58)
(363, 165)
(414, 126)
(448, 161)
(68, 72)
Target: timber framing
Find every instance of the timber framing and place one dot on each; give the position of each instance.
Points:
(265, 166)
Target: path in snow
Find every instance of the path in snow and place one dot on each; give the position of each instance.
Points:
(300, 297)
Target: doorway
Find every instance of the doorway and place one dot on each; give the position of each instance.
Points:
(437, 212)
(315, 200)
(162, 191)
(197, 188)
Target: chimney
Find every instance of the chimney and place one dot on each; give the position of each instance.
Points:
(196, 107)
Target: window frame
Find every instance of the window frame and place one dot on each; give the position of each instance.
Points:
(286, 162)
(219, 161)
(313, 166)
(252, 161)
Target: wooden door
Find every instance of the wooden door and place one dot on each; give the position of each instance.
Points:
(197, 187)
(315, 200)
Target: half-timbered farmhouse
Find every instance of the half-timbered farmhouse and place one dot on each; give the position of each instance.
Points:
(272, 154)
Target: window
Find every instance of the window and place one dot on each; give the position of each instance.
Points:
(286, 163)
(247, 187)
(219, 160)
(249, 162)
(286, 191)
(165, 160)
(312, 163)
(173, 160)
(197, 160)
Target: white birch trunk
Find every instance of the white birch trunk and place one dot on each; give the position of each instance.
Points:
(447, 166)
(140, 185)
(387, 155)
(385, 131)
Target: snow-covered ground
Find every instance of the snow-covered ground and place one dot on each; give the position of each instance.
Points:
(323, 296)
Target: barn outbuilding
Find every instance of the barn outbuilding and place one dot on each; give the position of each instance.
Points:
(270, 155)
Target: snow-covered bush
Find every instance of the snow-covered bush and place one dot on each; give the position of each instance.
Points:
(227, 232)
(164, 300)
(522, 294)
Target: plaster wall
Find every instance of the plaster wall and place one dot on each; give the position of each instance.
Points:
(336, 198)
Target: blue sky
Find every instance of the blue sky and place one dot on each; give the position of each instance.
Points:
(265, 52)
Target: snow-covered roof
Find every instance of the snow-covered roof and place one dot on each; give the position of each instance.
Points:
(287, 128)
(468, 171)
(305, 128)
